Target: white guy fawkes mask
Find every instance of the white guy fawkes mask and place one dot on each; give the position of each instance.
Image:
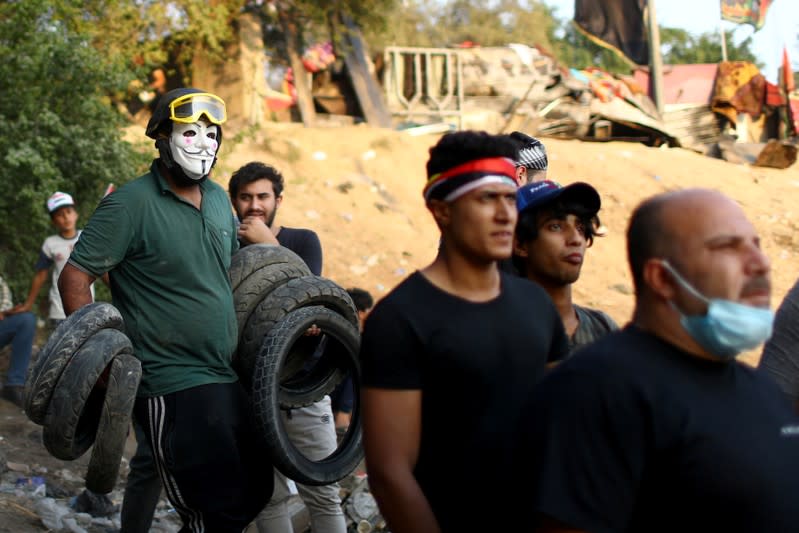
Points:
(194, 147)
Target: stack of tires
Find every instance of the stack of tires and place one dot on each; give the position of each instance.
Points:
(298, 339)
(82, 389)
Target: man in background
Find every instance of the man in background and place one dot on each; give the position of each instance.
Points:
(531, 163)
(461, 333)
(658, 428)
(344, 396)
(53, 257)
(556, 227)
(18, 329)
(256, 191)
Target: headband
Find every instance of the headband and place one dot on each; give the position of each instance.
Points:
(457, 181)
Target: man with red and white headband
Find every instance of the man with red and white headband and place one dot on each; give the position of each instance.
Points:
(166, 240)
(450, 354)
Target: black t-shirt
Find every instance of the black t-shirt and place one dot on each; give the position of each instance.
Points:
(304, 243)
(475, 364)
(634, 435)
(780, 358)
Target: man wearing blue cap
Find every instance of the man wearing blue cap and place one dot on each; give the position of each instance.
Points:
(555, 227)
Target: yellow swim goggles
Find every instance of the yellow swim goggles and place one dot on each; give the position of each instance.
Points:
(190, 107)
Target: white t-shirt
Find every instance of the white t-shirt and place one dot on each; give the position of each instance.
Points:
(55, 253)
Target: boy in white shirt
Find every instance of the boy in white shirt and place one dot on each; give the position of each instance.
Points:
(53, 256)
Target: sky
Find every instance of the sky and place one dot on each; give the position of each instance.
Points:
(703, 16)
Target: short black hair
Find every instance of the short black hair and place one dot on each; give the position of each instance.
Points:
(459, 147)
(361, 298)
(255, 171)
(530, 219)
(647, 237)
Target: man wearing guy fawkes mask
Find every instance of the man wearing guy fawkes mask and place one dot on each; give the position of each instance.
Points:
(187, 130)
(166, 240)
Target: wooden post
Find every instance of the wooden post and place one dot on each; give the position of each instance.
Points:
(655, 59)
(723, 43)
(291, 33)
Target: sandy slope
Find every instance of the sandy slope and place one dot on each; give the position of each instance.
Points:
(360, 189)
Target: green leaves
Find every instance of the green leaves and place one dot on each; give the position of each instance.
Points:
(59, 130)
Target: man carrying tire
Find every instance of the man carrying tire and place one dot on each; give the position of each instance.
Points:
(256, 191)
(166, 239)
(450, 354)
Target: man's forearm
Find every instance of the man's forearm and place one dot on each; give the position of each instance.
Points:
(402, 503)
(36, 286)
(74, 286)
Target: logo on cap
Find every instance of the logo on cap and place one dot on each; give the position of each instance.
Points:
(59, 200)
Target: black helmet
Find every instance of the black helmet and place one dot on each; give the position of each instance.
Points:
(178, 106)
(185, 110)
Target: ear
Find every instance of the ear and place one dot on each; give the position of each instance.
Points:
(278, 201)
(658, 279)
(442, 212)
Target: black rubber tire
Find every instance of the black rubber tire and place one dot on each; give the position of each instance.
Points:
(68, 337)
(72, 418)
(292, 295)
(255, 287)
(112, 430)
(276, 349)
(251, 258)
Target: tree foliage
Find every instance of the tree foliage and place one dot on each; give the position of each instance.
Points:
(483, 22)
(61, 131)
(680, 47)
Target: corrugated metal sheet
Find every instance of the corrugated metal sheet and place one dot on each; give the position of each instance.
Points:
(693, 125)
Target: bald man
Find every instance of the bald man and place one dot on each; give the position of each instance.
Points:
(668, 431)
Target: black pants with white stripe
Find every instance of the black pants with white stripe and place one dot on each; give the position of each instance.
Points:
(206, 450)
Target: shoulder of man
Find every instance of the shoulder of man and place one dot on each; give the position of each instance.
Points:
(518, 285)
(597, 319)
(296, 233)
(211, 185)
(138, 187)
(404, 294)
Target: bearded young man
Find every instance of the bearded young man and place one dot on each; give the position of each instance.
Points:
(166, 240)
(256, 191)
(450, 354)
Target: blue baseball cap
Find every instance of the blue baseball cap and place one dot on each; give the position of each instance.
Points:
(539, 193)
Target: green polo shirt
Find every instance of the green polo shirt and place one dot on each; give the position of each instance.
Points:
(168, 264)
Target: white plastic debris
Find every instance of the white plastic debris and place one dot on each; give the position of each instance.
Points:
(51, 513)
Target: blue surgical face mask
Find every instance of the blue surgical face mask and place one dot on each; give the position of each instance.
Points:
(728, 328)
